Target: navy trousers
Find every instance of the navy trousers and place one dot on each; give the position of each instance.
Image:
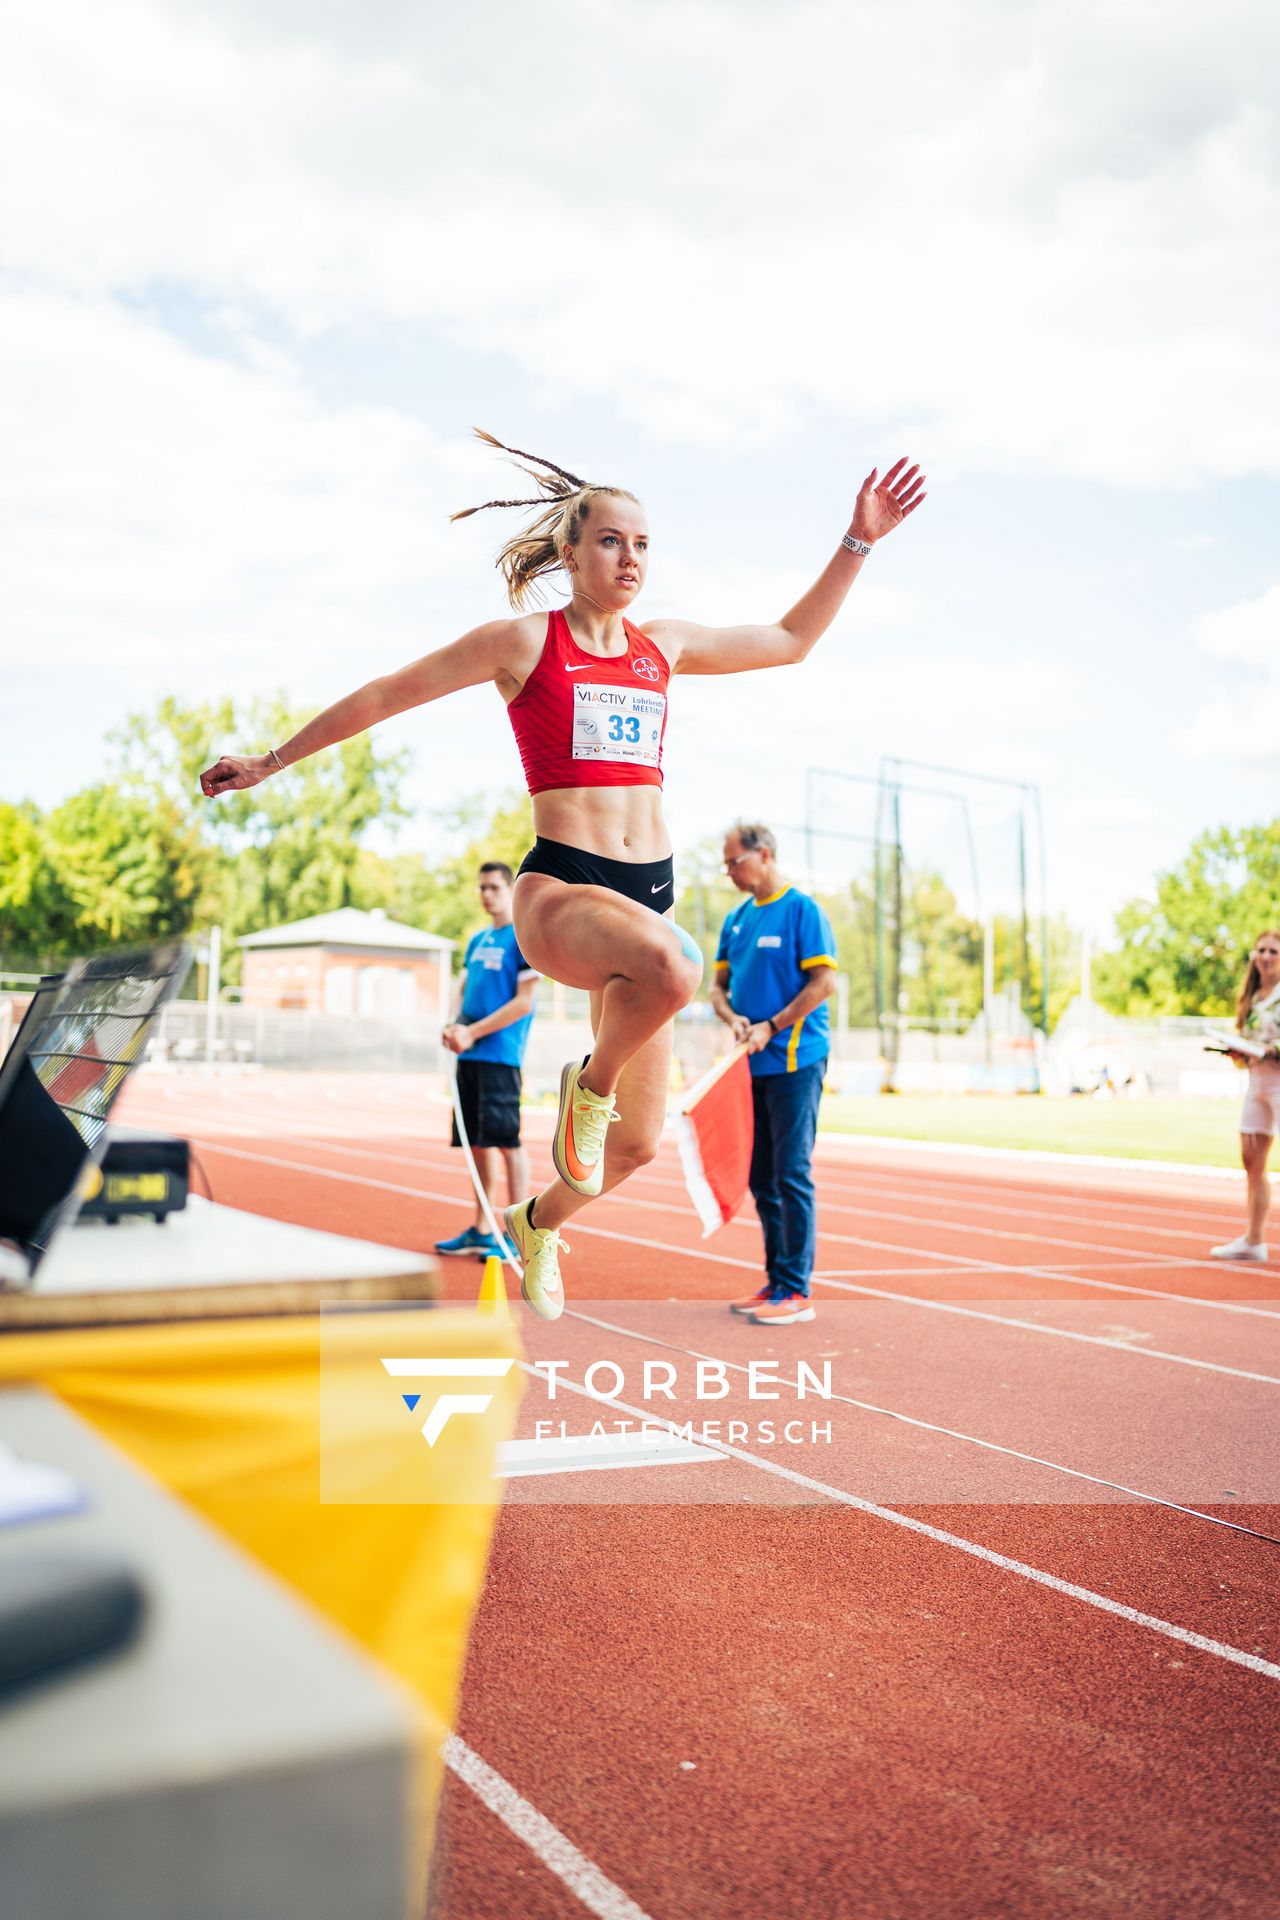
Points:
(786, 1121)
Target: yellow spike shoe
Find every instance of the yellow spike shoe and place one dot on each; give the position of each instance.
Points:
(577, 1145)
(538, 1250)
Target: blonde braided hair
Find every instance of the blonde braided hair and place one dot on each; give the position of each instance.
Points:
(565, 503)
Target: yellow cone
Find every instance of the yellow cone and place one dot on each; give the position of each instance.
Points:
(493, 1290)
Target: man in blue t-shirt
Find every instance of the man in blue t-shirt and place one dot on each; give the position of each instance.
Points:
(775, 971)
(492, 1014)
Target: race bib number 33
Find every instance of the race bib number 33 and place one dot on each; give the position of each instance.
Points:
(617, 723)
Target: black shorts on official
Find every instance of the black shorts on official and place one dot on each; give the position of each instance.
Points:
(489, 1094)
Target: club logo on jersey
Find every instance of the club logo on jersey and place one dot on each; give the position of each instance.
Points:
(647, 669)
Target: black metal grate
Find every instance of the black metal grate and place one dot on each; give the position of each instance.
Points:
(97, 1028)
(57, 1084)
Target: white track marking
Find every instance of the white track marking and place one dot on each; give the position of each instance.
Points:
(1058, 1333)
(597, 1893)
(833, 1149)
(1023, 1156)
(867, 1212)
(926, 1426)
(872, 1183)
(1220, 1649)
(883, 1182)
(1049, 1269)
(751, 1266)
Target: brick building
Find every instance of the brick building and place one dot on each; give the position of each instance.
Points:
(349, 962)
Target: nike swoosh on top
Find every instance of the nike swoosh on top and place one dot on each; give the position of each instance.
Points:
(578, 666)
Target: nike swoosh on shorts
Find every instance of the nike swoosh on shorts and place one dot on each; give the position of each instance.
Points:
(662, 888)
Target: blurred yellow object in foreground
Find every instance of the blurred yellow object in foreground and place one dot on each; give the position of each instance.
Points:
(291, 1437)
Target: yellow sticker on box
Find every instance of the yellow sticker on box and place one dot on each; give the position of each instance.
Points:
(146, 1187)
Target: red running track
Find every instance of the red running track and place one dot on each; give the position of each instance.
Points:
(943, 1668)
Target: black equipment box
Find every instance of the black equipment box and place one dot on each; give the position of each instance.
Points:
(141, 1173)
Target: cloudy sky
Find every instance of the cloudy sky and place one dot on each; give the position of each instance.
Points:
(264, 265)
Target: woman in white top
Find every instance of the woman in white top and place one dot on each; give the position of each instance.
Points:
(1258, 1016)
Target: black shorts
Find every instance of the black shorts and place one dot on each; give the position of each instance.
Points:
(489, 1095)
(651, 883)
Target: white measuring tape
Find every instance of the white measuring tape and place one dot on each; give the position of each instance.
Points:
(494, 1228)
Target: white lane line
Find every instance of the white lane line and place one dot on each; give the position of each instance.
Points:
(1050, 1270)
(378, 1102)
(597, 1893)
(1057, 1333)
(1220, 1649)
(1024, 1156)
(752, 1266)
(926, 1426)
(308, 1125)
(973, 1229)
(1078, 1216)
(883, 1184)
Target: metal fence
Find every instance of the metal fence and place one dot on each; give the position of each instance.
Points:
(1162, 1056)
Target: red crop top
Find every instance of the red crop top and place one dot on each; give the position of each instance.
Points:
(582, 721)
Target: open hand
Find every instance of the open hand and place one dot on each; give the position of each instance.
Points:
(884, 504)
(230, 775)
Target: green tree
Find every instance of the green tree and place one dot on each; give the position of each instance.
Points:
(35, 915)
(283, 850)
(126, 865)
(1185, 951)
(442, 897)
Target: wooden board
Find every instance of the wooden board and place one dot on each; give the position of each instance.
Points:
(29, 1312)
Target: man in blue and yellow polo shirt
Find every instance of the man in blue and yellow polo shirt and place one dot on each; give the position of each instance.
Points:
(775, 971)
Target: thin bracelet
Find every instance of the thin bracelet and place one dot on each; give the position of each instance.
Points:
(273, 755)
(861, 547)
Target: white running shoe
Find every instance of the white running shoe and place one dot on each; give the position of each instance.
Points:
(539, 1250)
(1240, 1248)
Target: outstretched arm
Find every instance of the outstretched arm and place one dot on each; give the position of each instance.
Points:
(483, 654)
(881, 506)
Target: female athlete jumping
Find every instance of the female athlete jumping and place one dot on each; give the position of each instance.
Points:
(587, 694)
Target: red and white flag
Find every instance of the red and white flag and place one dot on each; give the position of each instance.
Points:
(715, 1131)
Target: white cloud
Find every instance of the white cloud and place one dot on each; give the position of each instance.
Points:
(1243, 725)
(1249, 631)
(1114, 812)
(188, 512)
(1040, 237)
(1240, 719)
(1033, 239)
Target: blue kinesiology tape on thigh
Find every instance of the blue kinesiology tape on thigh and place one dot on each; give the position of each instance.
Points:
(690, 945)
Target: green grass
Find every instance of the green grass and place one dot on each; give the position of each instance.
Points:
(1200, 1132)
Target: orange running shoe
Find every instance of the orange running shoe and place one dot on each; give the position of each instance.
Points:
(791, 1307)
(750, 1301)
(584, 1118)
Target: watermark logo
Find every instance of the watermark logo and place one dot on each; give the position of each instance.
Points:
(443, 1408)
